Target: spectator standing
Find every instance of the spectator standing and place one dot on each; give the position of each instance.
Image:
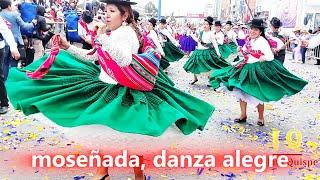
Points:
(5, 34)
(14, 18)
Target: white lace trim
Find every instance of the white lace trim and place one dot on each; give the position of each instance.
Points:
(246, 98)
(82, 53)
(169, 36)
(240, 95)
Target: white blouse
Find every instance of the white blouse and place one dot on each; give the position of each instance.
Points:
(155, 39)
(219, 37)
(209, 37)
(169, 36)
(241, 34)
(121, 44)
(260, 44)
(232, 36)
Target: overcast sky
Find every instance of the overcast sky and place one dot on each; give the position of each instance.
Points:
(179, 6)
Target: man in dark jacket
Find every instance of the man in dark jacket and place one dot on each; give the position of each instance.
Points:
(279, 54)
(17, 23)
(5, 34)
(43, 30)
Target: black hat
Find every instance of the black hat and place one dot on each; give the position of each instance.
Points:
(87, 17)
(4, 4)
(217, 23)
(163, 21)
(121, 2)
(229, 22)
(153, 21)
(257, 23)
(41, 10)
(136, 15)
(209, 19)
(275, 22)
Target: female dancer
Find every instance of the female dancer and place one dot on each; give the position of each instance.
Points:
(259, 77)
(188, 43)
(232, 37)
(170, 45)
(119, 96)
(224, 49)
(207, 56)
(155, 39)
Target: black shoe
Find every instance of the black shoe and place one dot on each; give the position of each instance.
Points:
(260, 123)
(193, 82)
(3, 110)
(209, 85)
(105, 177)
(317, 64)
(238, 120)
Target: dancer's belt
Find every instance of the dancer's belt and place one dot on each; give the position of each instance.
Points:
(208, 45)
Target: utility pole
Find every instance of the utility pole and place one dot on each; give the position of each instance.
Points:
(248, 6)
(159, 9)
(230, 11)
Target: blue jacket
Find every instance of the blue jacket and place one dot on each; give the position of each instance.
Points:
(14, 18)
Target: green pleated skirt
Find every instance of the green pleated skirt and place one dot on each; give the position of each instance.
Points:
(204, 60)
(267, 81)
(234, 48)
(172, 52)
(225, 51)
(164, 63)
(164, 77)
(72, 94)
